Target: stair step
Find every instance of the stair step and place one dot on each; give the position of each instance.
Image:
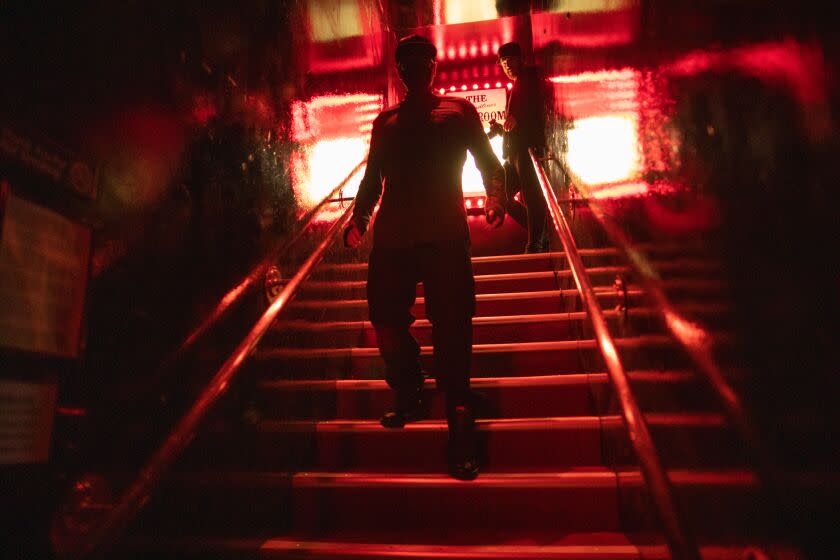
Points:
(486, 329)
(512, 444)
(494, 264)
(343, 546)
(581, 394)
(484, 284)
(523, 445)
(532, 358)
(511, 303)
(574, 546)
(520, 281)
(716, 502)
(594, 546)
(538, 501)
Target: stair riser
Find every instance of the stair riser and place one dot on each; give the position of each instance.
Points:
(483, 285)
(365, 337)
(495, 402)
(460, 507)
(481, 267)
(678, 446)
(517, 265)
(672, 275)
(581, 398)
(492, 364)
(712, 511)
(548, 303)
(411, 450)
(537, 449)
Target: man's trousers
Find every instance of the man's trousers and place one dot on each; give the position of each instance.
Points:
(525, 180)
(445, 270)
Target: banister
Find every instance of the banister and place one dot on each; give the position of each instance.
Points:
(235, 294)
(680, 541)
(693, 338)
(133, 499)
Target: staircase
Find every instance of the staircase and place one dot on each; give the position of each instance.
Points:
(306, 471)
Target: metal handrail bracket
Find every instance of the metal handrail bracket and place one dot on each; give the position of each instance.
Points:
(135, 497)
(680, 541)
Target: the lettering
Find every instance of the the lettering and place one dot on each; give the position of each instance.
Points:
(488, 116)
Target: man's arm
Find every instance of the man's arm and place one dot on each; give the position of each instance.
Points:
(492, 172)
(370, 188)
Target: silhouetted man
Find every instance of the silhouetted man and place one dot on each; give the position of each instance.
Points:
(417, 153)
(524, 128)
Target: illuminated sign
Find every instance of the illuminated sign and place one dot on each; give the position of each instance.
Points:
(490, 103)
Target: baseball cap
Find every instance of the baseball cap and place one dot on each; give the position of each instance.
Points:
(415, 45)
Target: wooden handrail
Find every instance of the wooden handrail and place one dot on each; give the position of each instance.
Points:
(680, 541)
(135, 497)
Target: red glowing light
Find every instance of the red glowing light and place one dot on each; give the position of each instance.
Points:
(481, 203)
(462, 51)
(450, 52)
(475, 86)
(486, 85)
(473, 50)
(469, 203)
(498, 84)
(464, 88)
(203, 109)
(442, 90)
(619, 190)
(510, 85)
(451, 88)
(797, 66)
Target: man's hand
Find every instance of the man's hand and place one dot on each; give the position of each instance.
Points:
(352, 236)
(510, 122)
(495, 129)
(495, 215)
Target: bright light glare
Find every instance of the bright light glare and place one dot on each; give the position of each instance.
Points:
(621, 190)
(328, 164)
(471, 177)
(590, 6)
(474, 10)
(604, 149)
(334, 19)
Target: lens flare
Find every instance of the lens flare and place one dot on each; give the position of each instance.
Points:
(604, 149)
(471, 178)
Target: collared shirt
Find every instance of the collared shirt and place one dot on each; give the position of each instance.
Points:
(417, 154)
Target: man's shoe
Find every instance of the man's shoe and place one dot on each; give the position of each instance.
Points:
(466, 469)
(462, 452)
(407, 410)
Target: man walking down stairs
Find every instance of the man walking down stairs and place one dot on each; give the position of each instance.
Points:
(417, 152)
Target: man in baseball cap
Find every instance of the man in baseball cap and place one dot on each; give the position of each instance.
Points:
(524, 128)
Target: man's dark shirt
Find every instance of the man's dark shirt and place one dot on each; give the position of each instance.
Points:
(527, 105)
(417, 152)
